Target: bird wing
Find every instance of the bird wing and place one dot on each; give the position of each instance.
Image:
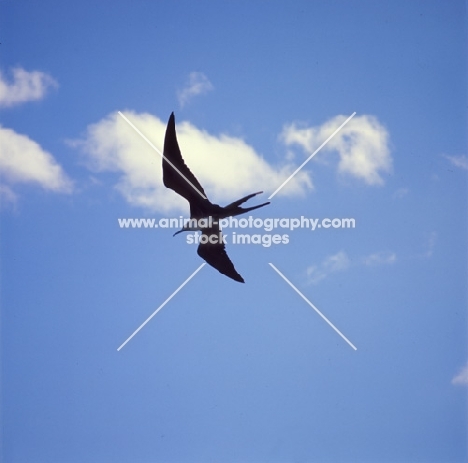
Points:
(183, 182)
(215, 253)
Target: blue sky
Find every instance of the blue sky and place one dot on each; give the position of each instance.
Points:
(228, 372)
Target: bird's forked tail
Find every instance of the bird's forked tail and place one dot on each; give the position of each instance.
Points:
(234, 209)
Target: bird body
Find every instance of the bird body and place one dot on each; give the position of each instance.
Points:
(178, 177)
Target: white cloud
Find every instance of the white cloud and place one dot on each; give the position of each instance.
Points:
(331, 264)
(379, 258)
(458, 161)
(23, 161)
(400, 193)
(462, 377)
(7, 195)
(26, 86)
(430, 244)
(226, 166)
(197, 84)
(340, 261)
(362, 145)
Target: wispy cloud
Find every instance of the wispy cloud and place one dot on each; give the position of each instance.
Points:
(379, 258)
(341, 261)
(362, 145)
(400, 193)
(23, 161)
(462, 377)
(331, 264)
(197, 84)
(7, 195)
(226, 166)
(25, 86)
(430, 244)
(458, 161)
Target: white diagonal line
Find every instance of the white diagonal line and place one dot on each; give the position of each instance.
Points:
(312, 155)
(313, 306)
(162, 305)
(164, 157)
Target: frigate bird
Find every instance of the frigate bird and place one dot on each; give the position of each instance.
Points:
(178, 177)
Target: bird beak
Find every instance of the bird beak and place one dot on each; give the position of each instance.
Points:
(176, 233)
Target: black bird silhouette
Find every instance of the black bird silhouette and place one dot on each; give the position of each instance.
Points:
(178, 177)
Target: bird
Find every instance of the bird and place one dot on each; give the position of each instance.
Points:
(179, 178)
